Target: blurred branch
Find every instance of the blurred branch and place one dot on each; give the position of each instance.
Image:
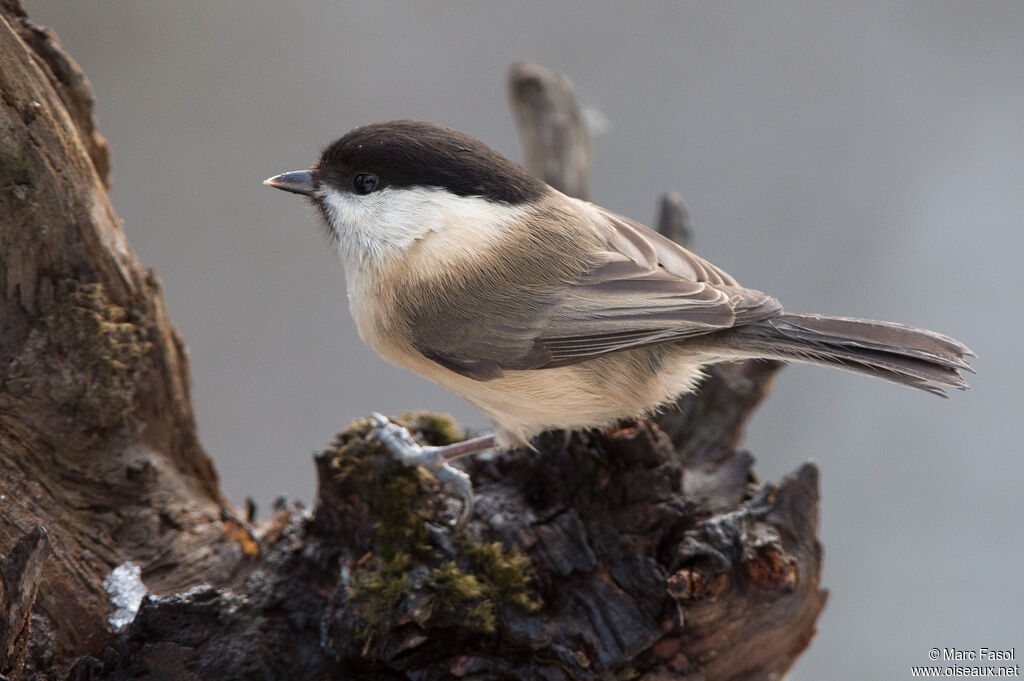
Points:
(551, 124)
(674, 219)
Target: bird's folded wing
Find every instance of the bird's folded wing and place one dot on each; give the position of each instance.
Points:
(643, 290)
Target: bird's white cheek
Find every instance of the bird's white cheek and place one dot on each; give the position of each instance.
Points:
(375, 226)
(342, 213)
(381, 228)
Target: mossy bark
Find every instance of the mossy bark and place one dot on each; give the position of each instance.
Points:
(650, 551)
(96, 429)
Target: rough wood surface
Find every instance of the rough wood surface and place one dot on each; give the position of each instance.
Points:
(583, 561)
(20, 574)
(644, 552)
(96, 428)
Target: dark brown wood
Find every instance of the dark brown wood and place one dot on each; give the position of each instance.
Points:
(20, 574)
(642, 552)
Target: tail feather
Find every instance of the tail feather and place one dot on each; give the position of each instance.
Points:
(902, 354)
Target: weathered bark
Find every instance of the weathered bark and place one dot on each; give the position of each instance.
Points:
(96, 426)
(641, 552)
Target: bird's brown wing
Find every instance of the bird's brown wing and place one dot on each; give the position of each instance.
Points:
(643, 290)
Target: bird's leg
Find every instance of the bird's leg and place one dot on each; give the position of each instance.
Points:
(398, 441)
(457, 450)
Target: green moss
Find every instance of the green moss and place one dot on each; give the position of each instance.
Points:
(467, 592)
(435, 429)
(378, 593)
(393, 494)
(409, 579)
(391, 491)
(454, 596)
(402, 528)
(504, 574)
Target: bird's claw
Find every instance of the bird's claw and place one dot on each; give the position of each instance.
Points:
(458, 483)
(401, 445)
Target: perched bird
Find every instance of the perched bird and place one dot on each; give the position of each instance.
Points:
(546, 311)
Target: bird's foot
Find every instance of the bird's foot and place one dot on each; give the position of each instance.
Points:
(401, 445)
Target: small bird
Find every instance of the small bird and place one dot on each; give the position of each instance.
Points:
(546, 311)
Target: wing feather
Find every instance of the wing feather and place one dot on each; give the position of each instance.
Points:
(643, 290)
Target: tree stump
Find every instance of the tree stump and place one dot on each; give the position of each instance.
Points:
(647, 551)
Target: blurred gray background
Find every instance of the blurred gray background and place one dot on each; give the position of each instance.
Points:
(850, 158)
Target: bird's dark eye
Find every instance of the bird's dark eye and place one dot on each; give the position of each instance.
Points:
(364, 183)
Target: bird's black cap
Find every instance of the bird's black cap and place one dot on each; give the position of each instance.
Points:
(416, 154)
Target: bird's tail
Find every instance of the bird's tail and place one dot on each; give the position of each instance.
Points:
(902, 354)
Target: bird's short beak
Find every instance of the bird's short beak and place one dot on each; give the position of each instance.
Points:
(297, 182)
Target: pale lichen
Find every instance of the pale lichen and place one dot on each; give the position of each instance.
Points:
(125, 588)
